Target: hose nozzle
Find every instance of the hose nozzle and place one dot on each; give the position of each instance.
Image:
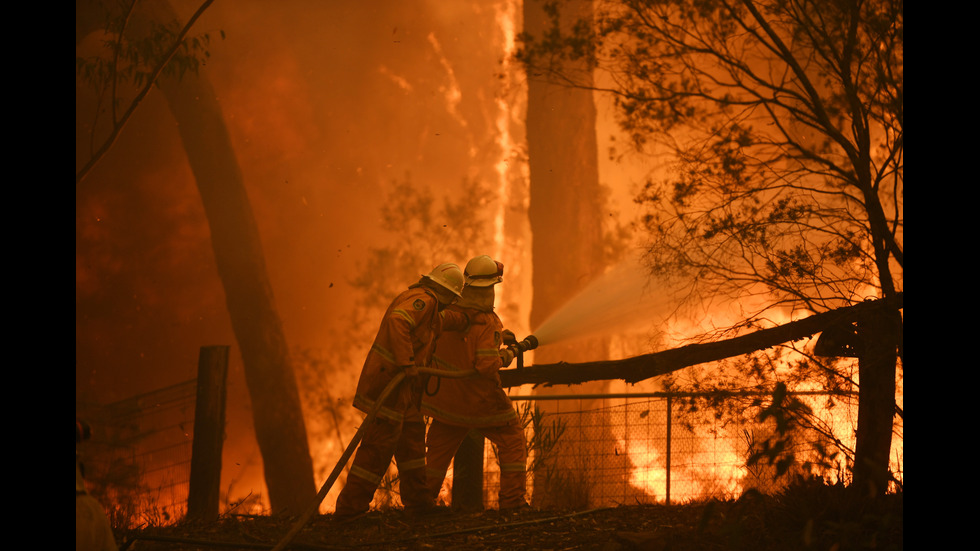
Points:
(519, 348)
(529, 343)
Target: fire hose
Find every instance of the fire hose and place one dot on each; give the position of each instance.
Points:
(392, 385)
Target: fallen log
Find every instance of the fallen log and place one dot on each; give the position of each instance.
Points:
(639, 368)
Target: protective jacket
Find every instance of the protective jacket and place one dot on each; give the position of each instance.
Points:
(470, 402)
(405, 340)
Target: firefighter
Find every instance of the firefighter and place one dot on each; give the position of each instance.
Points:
(457, 406)
(405, 342)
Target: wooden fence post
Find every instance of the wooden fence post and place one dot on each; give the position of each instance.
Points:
(468, 473)
(209, 431)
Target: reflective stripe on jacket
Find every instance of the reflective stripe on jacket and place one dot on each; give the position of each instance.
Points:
(473, 402)
(406, 338)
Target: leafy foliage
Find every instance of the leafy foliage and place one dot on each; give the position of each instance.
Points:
(544, 436)
(133, 61)
(133, 57)
(776, 131)
(784, 121)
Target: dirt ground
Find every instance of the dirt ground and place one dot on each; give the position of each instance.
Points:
(822, 518)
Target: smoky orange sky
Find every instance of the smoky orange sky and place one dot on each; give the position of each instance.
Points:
(326, 103)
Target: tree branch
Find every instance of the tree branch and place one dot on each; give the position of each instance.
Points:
(639, 368)
(118, 126)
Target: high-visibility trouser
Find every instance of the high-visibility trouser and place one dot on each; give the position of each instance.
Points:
(382, 440)
(443, 440)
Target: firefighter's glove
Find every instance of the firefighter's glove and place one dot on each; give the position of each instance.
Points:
(509, 337)
(506, 356)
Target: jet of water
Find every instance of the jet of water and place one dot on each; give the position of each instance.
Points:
(623, 298)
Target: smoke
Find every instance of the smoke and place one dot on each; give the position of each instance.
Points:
(327, 104)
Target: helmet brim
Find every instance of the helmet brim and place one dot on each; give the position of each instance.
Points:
(484, 282)
(442, 285)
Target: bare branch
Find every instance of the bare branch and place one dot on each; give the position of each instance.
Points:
(121, 123)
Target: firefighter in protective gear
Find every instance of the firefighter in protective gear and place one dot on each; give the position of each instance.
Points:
(457, 406)
(405, 342)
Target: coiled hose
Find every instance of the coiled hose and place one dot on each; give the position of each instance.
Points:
(345, 457)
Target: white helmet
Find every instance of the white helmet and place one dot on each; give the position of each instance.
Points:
(483, 271)
(448, 276)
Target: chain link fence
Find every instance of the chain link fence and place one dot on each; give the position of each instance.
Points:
(621, 449)
(584, 451)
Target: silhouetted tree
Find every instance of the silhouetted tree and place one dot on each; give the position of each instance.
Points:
(147, 48)
(570, 247)
(784, 123)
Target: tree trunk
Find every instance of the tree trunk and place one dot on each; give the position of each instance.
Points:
(880, 336)
(277, 413)
(566, 199)
(565, 215)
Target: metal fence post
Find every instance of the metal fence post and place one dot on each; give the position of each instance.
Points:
(209, 430)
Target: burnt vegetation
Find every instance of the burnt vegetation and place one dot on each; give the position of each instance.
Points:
(807, 514)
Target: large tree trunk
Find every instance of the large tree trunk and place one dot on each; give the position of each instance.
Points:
(566, 199)
(565, 215)
(277, 413)
(880, 337)
(278, 417)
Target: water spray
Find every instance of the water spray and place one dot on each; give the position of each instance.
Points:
(623, 298)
